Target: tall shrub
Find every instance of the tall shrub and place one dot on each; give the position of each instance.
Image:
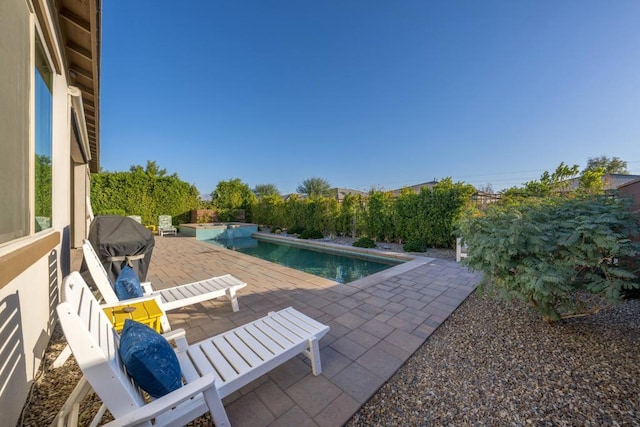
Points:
(378, 221)
(565, 256)
(407, 216)
(443, 206)
(293, 214)
(349, 210)
(429, 218)
(267, 210)
(321, 214)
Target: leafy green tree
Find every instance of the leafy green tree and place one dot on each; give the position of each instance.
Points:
(262, 190)
(561, 182)
(591, 181)
(610, 165)
(230, 196)
(315, 187)
(558, 181)
(152, 169)
(564, 256)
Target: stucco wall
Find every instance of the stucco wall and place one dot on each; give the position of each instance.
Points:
(31, 266)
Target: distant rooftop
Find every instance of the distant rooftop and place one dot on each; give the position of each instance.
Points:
(416, 188)
(611, 181)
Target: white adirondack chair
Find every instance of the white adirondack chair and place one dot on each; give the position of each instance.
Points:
(171, 298)
(461, 249)
(165, 226)
(211, 369)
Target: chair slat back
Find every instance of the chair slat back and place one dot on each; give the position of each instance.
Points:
(136, 218)
(98, 273)
(164, 221)
(94, 344)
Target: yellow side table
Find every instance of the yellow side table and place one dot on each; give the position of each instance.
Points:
(151, 227)
(146, 312)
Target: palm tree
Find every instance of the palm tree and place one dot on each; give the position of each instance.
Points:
(315, 187)
(262, 190)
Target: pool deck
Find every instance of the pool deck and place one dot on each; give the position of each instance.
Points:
(376, 323)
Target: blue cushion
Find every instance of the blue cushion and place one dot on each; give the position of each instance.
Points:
(149, 359)
(127, 284)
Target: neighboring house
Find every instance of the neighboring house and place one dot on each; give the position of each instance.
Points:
(289, 196)
(49, 125)
(337, 193)
(416, 188)
(610, 181)
(482, 199)
(613, 181)
(631, 189)
(340, 193)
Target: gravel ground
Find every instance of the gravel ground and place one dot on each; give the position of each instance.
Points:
(53, 386)
(496, 363)
(491, 363)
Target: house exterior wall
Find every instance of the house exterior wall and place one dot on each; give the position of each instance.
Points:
(632, 190)
(32, 266)
(81, 179)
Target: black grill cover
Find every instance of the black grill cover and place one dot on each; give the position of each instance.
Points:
(119, 240)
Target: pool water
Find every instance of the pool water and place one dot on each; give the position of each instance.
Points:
(340, 268)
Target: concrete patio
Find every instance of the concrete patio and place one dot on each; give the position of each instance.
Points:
(376, 323)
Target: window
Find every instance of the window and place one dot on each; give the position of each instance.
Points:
(16, 71)
(43, 140)
(26, 189)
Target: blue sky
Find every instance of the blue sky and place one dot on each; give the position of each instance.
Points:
(368, 94)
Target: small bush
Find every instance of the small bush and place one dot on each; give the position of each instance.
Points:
(415, 245)
(364, 242)
(311, 234)
(295, 230)
(276, 230)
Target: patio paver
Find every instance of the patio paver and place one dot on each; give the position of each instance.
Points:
(376, 323)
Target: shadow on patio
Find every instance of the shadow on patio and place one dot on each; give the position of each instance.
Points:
(376, 323)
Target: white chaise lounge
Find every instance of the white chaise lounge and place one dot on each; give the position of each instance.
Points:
(171, 298)
(211, 369)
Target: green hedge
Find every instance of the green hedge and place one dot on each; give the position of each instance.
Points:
(427, 218)
(138, 193)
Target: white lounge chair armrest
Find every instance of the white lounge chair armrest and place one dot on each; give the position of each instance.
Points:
(165, 403)
(178, 336)
(146, 287)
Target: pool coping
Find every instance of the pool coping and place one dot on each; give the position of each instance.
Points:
(408, 261)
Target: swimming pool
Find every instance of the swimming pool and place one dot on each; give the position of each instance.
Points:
(340, 266)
